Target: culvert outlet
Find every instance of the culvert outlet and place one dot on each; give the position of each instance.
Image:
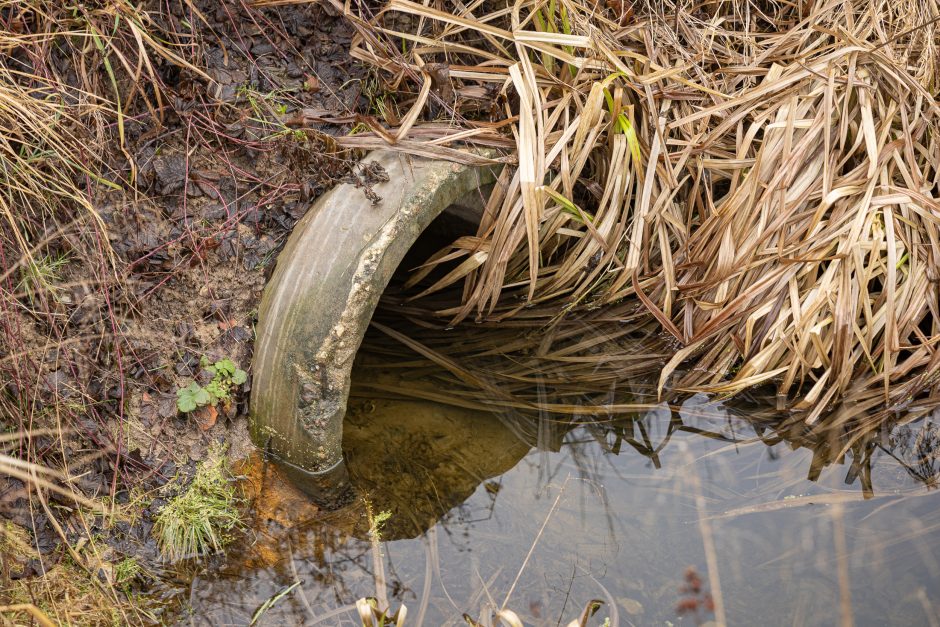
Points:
(318, 304)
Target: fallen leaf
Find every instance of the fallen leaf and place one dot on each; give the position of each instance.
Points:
(226, 325)
(206, 417)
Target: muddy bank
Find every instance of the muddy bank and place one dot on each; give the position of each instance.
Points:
(119, 301)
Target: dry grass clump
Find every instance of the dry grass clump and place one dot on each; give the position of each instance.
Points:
(79, 83)
(760, 179)
(70, 75)
(75, 589)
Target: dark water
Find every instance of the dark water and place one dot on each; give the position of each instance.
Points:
(612, 511)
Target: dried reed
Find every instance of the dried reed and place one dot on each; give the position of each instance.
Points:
(759, 179)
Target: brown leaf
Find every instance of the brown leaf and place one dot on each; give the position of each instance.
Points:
(227, 325)
(312, 84)
(206, 417)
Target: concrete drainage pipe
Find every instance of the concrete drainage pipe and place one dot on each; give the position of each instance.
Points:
(320, 300)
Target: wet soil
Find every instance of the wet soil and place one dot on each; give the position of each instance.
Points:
(221, 178)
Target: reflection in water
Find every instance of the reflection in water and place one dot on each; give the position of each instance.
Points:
(541, 469)
(419, 460)
(784, 524)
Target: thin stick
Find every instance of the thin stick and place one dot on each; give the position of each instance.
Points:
(378, 564)
(300, 590)
(708, 541)
(928, 608)
(332, 614)
(428, 577)
(534, 542)
(32, 610)
(842, 559)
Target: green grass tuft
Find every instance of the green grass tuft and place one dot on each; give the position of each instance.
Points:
(200, 518)
(42, 274)
(126, 571)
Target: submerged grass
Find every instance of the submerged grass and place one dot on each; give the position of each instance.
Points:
(201, 518)
(603, 376)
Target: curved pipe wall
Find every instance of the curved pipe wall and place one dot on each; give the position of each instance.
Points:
(318, 304)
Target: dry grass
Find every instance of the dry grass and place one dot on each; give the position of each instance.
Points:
(761, 179)
(70, 76)
(76, 589)
(92, 94)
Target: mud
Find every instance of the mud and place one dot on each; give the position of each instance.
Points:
(219, 180)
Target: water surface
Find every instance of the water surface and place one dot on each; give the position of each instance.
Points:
(545, 513)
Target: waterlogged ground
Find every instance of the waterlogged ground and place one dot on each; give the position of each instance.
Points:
(544, 516)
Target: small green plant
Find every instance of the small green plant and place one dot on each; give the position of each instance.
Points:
(42, 274)
(15, 543)
(200, 518)
(268, 109)
(280, 594)
(379, 102)
(126, 571)
(376, 523)
(376, 611)
(357, 129)
(225, 377)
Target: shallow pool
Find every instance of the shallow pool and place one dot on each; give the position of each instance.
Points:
(674, 515)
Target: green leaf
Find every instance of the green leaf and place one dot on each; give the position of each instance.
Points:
(225, 367)
(270, 602)
(201, 397)
(239, 377)
(632, 139)
(567, 206)
(184, 401)
(217, 391)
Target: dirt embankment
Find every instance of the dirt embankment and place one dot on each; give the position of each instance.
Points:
(115, 299)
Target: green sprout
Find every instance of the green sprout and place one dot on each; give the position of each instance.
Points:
(126, 571)
(42, 274)
(225, 377)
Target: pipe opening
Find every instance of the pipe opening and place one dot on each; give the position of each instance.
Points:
(320, 300)
(401, 451)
